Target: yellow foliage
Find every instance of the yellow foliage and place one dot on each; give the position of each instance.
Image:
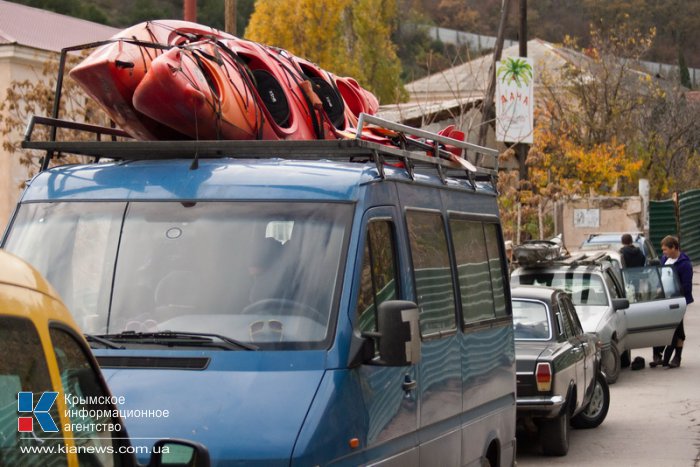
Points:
(348, 38)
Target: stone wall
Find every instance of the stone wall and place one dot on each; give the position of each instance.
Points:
(581, 217)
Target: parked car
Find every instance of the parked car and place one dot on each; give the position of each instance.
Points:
(289, 302)
(613, 241)
(559, 378)
(55, 408)
(638, 312)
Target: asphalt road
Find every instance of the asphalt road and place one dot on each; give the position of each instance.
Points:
(654, 417)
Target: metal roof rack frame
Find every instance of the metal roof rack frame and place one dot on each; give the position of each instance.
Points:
(580, 259)
(415, 148)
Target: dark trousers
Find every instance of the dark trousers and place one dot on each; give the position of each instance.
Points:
(678, 334)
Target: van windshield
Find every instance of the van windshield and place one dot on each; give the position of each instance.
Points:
(258, 272)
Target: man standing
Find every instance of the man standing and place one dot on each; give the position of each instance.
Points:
(632, 256)
(672, 255)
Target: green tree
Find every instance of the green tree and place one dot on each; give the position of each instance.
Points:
(342, 36)
(683, 70)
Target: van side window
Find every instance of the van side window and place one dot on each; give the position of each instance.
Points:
(472, 270)
(498, 274)
(23, 368)
(433, 275)
(378, 280)
(80, 382)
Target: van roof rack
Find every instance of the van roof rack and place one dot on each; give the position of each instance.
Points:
(415, 154)
(415, 148)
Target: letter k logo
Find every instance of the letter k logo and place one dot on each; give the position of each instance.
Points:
(25, 403)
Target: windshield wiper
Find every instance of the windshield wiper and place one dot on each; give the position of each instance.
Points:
(101, 340)
(194, 338)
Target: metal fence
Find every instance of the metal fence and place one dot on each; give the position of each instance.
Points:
(677, 216)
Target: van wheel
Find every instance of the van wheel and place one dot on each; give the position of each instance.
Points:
(597, 409)
(611, 363)
(554, 435)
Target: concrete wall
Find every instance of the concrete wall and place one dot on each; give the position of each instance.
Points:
(17, 63)
(585, 216)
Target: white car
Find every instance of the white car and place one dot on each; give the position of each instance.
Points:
(641, 312)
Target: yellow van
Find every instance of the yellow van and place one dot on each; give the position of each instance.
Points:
(55, 408)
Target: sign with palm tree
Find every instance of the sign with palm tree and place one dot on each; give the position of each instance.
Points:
(514, 100)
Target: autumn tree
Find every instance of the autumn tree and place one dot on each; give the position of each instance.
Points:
(27, 97)
(345, 37)
(588, 121)
(669, 145)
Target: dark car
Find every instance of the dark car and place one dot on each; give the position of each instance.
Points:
(559, 378)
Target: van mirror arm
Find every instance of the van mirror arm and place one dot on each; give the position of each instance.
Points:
(362, 349)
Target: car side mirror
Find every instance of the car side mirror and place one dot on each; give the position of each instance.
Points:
(398, 335)
(620, 304)
(179, 453)
(654, 262)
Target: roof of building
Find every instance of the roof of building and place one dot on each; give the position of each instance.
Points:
(46, 30)
(470, 79)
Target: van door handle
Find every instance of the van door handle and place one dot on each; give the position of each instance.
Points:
(408, 384)
(674, 306)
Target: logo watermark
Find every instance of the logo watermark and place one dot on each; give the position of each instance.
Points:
(40, 411)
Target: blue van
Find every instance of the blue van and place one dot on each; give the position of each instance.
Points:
(287, 303)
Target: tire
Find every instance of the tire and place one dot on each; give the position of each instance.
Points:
(597, 408)
(611, 363)
(626, 359)
(554, 435)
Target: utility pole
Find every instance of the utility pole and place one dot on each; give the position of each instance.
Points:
(522, 149)
(230, 17)
(190, 10)
(488, 114)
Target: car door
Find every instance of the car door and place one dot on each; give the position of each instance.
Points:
(657, 305)
(388, 396)
(577, 358)
(588, 348)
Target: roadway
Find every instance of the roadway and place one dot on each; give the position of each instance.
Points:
(654, 417)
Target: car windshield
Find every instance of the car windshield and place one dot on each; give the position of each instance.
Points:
(530, 320)
(585, 288)
(258, 272)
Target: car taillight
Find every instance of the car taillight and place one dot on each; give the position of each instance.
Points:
(543, 375)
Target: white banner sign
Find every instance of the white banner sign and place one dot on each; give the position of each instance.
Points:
(514, 100)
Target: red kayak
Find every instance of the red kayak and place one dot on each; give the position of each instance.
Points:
(175, 80)
(112, 72)
(188, 91)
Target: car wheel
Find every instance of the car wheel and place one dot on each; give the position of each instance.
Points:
(611, 363)
(554, 435)
(597, 408)
(626, 359)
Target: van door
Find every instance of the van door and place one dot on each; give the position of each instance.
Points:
(440, 374)
(389, 393)
(657, 305)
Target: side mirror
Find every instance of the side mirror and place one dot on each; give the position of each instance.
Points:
(179, 453)
(398, 335)
(620, 303)
(654, 262)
